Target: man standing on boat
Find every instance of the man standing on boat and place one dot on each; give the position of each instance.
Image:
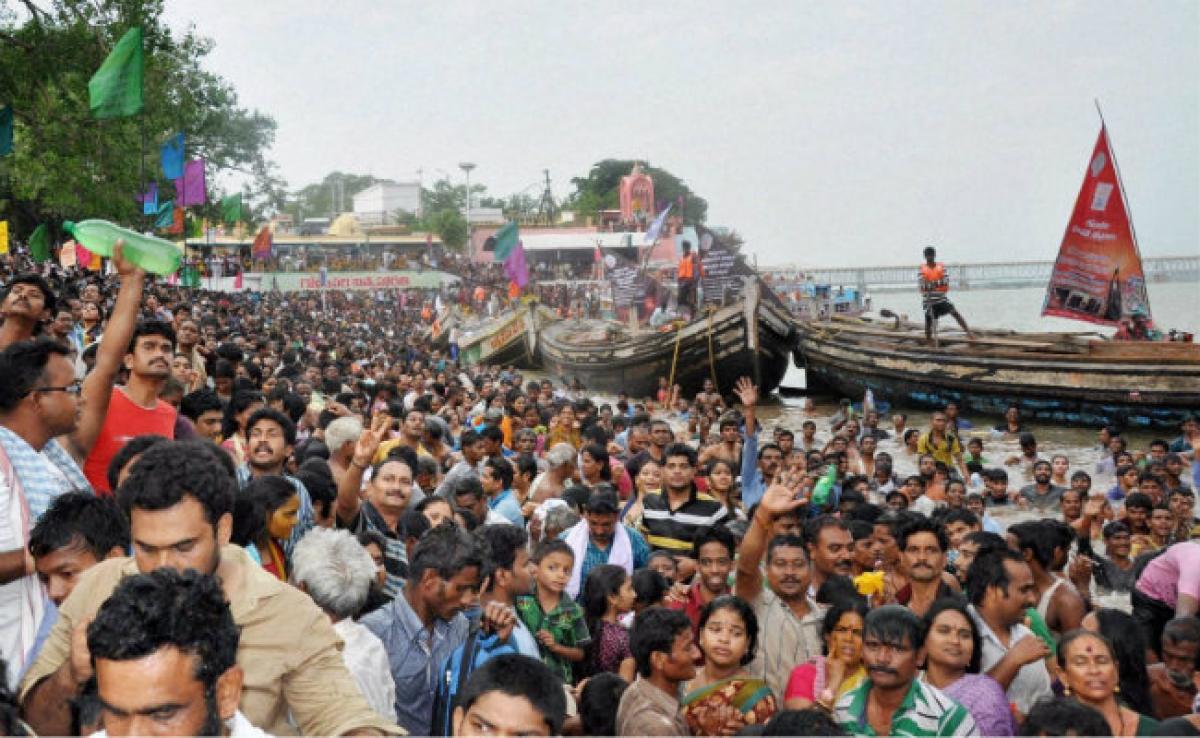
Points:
(934, 284)
(689, 270)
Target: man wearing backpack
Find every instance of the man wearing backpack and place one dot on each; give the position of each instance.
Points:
(425, 623)
(510, 575)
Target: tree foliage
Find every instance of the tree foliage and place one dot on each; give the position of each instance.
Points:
(322, 200)
(67, 165)
(451, 227)
(599, 190)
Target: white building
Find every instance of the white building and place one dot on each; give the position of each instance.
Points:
(377, 205)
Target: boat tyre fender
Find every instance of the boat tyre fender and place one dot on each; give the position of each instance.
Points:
(885, 313)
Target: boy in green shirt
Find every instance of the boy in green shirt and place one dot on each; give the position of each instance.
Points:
(556, 621)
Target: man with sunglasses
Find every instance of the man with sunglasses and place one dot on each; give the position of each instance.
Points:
(46, 430)
(891, 700)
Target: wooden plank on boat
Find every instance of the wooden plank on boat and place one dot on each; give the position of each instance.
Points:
(957, 339)
(1153, 352)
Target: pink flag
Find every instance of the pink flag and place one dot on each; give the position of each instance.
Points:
(514, 266)
(83, 257)
(190, 188)
(237, 281)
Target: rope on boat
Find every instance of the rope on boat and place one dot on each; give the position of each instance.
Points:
(712, 363)
(675, 358)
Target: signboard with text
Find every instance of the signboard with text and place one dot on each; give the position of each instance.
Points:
(359, 281)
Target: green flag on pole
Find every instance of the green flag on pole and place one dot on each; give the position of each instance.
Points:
(231, 208)
(6, 129)
(39, 244)
(506, 240)
(115, 89)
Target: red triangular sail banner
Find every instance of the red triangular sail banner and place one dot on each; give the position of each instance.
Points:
(1098, 274)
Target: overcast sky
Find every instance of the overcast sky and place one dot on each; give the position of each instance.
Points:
(828, 133)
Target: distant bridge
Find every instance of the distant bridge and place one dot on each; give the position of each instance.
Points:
(987, 275)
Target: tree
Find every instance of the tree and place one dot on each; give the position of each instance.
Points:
(452, 228)
(326, 199)
(599, 190)
(67, 165)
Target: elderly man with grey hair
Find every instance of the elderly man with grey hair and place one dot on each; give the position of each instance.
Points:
(337, 572)
(340, 437)
(560, 463)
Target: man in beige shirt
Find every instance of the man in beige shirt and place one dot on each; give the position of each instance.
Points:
(789, 622)
(179, 499)
(661, 644)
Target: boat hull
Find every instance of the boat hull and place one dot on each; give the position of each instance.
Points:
(508, 341)
(717, 346)
(1076, 389)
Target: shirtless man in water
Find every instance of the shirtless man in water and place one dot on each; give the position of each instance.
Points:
(728, 447)
(709, 399)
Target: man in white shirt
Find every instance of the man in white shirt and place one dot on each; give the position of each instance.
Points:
(1001, 587)
(337, 572)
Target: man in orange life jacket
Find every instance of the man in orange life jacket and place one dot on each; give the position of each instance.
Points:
(934, 283)
(689, 270)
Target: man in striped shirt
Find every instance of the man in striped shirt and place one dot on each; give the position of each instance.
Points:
(891, 700)
(674, 517)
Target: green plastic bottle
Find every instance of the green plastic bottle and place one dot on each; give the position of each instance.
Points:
(1038, 625)
(150, 253)
(820, 495)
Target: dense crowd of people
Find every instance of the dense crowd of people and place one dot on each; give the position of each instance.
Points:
(250, 514)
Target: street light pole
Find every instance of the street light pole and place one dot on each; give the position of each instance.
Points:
(467, 166)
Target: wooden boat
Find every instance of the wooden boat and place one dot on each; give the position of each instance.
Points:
(508, 339)
(1072, 378)
(751, 337)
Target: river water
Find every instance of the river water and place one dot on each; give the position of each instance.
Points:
(1173, 305)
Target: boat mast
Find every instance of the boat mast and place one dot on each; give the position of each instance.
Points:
(1128, 211)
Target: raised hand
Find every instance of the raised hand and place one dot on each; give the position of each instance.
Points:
(746, 391)
(783, 496)
(370, 439)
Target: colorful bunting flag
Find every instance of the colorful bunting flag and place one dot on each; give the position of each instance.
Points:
(115, 90)
(515, 268)
(3, 236)
(172, 157)
(149, 200)
(508, 249)
(191, 276)
(655, 229)
(231, 208)
(39, 244)
(176, 222)
(190, 188)
(83, 257)
(261, 249)
(6, 129)
(166, 215)
(505, 240)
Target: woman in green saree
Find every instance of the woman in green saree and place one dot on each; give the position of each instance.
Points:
(723, 698)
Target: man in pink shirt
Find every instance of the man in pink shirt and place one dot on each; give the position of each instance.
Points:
(1169, 587)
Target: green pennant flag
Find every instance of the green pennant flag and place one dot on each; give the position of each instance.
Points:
(506, 240)
(6, 129)
(166, 215)
(190, 276)
(231, 208)
(195, 228)
(115, 89)
(39, 244)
